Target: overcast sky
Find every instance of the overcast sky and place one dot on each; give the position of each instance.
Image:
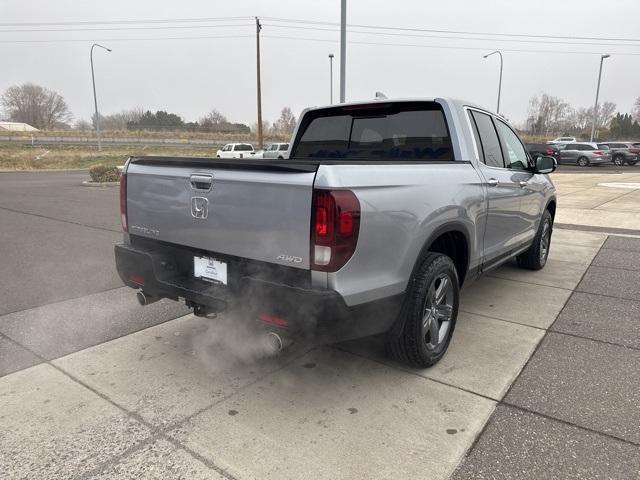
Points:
(190, 77)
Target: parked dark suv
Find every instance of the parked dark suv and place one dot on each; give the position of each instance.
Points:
(623, 152)
(543, 150)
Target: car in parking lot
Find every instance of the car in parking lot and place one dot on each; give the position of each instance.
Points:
(583, 154)
(563, 140)
(543, 149)
(623, 152)
(236, 150)
(276, 150)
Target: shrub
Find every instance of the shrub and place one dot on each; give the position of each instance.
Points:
(102, 173)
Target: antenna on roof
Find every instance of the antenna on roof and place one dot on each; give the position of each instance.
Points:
(380, 96)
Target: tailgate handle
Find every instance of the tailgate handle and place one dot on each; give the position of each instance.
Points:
(201, 181)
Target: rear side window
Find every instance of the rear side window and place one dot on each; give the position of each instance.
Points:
(491, 154)
(400, 131)
(284, 147)
(243, 147)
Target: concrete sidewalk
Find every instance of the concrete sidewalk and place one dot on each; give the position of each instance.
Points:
(604, 202)
(171, 400)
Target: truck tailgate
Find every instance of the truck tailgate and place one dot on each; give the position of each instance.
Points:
(246, 208)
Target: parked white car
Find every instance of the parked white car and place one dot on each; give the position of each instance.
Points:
(563, 140)
(236, 150)
(276, 150)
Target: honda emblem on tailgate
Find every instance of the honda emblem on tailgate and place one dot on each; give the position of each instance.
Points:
(199, 207)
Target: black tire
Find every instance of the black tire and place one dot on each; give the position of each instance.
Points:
(414, 345)
(618, 160)
(583, 162)
(632, 162)
(536, 257)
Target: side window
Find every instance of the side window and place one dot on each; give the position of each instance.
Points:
(515, 156)
(491, 150)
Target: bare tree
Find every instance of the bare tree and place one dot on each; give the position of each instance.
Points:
(606, 111)
(120, 120)
(286, 122)
(82, 125)
(214, 117)
(635, 112)
(35, 105)
(547, 114)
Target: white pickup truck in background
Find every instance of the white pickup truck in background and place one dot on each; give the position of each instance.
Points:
(236, 150)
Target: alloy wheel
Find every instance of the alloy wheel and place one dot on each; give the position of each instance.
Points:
(438, 311)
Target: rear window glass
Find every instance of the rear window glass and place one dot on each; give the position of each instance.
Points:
(403, 131)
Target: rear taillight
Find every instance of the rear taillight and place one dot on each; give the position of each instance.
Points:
(123, 200)
(598, 152)
(335, 225)
(634, 150)
(548, 152)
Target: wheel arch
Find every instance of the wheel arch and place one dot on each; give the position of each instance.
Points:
(453, 240)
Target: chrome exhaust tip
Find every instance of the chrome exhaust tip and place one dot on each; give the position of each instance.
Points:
(144, 299)
(273, 343)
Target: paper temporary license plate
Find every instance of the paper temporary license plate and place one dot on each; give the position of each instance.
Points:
(210, 269)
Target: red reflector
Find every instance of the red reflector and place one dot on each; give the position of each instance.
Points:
(273, 320)
(345, 225)
(322, 224)
(137, 279)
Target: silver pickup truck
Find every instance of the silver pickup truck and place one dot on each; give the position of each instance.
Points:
(381, 213)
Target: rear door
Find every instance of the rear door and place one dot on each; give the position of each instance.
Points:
(504, 220)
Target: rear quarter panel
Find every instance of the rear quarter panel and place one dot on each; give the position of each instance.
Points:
(401, 206)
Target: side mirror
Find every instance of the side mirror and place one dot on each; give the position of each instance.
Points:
(545, 164)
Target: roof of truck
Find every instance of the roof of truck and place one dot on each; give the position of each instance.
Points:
(454, 102)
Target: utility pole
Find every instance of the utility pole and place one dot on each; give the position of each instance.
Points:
(95, 98)
(258, 28)
(595, 107)
(331, 78)
(343, 48)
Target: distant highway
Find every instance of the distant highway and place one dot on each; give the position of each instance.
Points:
(106, 141)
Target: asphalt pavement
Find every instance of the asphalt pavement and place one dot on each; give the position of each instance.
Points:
(540, 381)
(56, 245)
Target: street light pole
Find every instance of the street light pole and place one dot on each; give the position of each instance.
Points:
(343, 48)
(260, 138)
(95, 99)
(595, 107)
(499, 81)
(331, 78)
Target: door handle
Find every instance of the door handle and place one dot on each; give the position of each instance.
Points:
(523, 184)
(493, 182)
(201, 181)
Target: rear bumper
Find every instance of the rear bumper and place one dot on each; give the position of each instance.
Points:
(311, 312)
